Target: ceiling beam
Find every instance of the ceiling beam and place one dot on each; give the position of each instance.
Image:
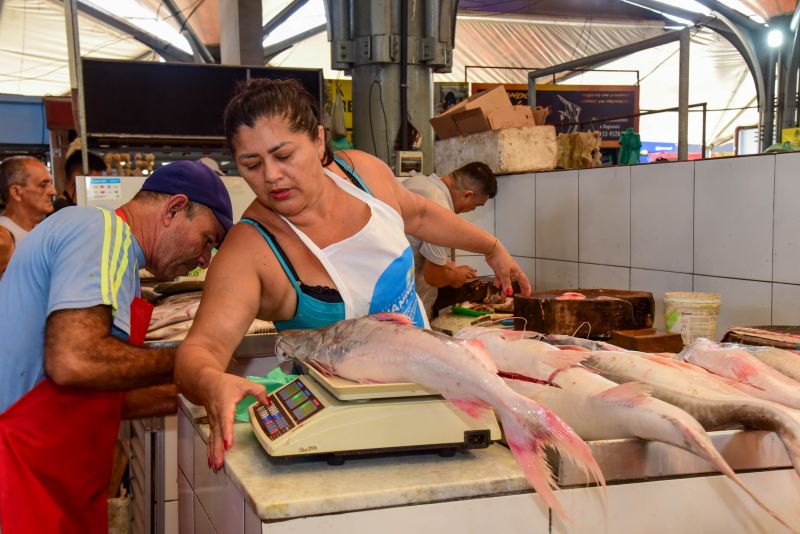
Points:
(282, 16)
(274, 49)
(732, 15)
(163, 48)
(188, 32)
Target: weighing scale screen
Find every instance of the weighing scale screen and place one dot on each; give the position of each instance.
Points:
(299, 400)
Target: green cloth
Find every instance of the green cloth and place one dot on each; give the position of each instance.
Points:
(630, 145)
(272, 381)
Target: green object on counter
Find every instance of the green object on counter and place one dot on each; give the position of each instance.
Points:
(629, 147)
(272, 381)
(458, 310)
(786, 146)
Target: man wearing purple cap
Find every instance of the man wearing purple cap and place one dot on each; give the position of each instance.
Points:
(71, 327)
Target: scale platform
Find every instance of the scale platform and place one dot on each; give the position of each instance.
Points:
(334, 418)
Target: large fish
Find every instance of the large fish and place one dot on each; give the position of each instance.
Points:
(746, 372)
(595, 407)
(386, 348)
(705, 397)
(785, 361)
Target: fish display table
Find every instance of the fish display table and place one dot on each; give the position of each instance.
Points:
(476, 491)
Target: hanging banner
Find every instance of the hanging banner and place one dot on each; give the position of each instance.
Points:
(610, 109)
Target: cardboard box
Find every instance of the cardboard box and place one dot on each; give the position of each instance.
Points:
(471, 115)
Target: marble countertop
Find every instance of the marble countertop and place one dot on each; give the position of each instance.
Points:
(278, 492)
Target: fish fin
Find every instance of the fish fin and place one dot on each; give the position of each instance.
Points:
(697, 442)
(629, 394)
(390, 317)
(478, 348)
(472, 408)
(575, 348)
(561, 359)
(742, 369)
(531, 428)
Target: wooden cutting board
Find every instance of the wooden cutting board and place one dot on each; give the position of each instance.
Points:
(595, 317)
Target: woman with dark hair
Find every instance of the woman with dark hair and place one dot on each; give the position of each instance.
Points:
(323, 241)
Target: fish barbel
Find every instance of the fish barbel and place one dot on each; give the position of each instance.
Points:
(595, 407)
(747, 372)
(386, 348)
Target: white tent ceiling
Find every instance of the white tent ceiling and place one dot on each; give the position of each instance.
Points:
(33, 56)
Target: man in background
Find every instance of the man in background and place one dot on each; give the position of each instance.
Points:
(461, 191)
(26, 188)
(74, 167)
(72, 323)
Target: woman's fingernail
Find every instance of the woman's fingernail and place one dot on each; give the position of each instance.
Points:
(209, 463)
(225, 443)
(509, 291)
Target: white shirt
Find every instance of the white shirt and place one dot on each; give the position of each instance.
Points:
(16, 230)
(433, 188)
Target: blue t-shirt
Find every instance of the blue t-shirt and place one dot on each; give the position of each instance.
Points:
(76, 258)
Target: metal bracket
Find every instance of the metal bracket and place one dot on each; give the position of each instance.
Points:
(364, 49)
(343, 51)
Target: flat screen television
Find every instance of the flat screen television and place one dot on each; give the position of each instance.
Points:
(184, 100)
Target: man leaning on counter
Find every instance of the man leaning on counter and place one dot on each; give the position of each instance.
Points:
(71, 328)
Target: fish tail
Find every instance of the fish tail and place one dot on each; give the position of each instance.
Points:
(702, 446)
(530, 429)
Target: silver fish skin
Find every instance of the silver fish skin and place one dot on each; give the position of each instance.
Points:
(785, 361)
(595, 407)
(746, 372)
(385, 348)
(710, 401)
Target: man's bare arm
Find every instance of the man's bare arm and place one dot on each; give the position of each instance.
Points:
(153, 401)
(80, 351)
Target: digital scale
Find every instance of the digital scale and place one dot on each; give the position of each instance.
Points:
(328, 416)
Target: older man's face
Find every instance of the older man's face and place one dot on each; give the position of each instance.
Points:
(37, 194)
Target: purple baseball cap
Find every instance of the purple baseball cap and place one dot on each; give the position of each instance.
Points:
(199, 183)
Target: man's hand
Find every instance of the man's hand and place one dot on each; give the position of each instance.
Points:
(460, 274)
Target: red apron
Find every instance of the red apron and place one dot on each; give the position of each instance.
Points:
(57, 450)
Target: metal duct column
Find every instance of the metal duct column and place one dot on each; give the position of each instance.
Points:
(366, 40)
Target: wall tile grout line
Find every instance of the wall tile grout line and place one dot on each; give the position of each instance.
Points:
(772, 251)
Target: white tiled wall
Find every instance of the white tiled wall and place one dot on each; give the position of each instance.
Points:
(733, 217)
(786, 256)
(603, 276)
(662, 215)
(552, 274)
(604, 222)
(556, 212)
(729, 226)
(517, 195)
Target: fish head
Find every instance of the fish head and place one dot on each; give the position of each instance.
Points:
(299, 344)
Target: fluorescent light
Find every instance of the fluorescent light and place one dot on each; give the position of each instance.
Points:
(775, 38)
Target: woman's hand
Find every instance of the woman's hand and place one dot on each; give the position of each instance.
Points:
(220, 405)
(506, 270)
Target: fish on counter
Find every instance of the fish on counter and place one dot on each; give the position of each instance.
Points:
(785, 361)
(595, 407)
(745, 371)
(706, 397)
(386, 348)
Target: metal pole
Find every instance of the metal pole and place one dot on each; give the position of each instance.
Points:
(403, 75)
(705, 107)
(768, 131)
(76, 76)
(683, 96)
